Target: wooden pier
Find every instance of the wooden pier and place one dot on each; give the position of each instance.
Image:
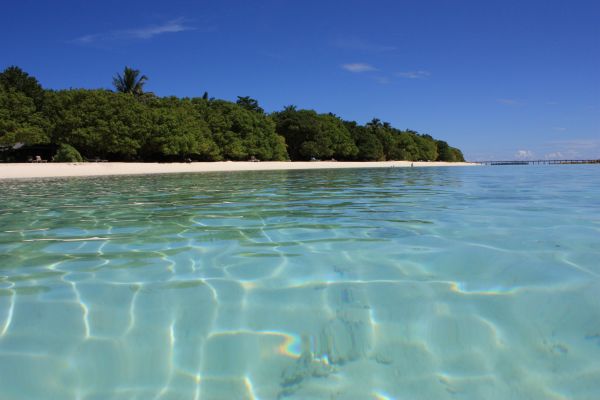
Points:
(538, 162)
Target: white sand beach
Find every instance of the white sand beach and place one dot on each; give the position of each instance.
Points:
(55, 170)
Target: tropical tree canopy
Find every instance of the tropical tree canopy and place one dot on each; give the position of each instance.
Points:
(119, 126)
(311, 135)
(19, 120)
(15, 79)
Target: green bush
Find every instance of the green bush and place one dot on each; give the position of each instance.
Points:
(67, 153)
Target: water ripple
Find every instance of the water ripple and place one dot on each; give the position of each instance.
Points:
(385, 284)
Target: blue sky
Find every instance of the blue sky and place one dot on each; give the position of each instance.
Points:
(498, 79)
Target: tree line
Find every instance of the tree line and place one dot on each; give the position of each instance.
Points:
(130, 124)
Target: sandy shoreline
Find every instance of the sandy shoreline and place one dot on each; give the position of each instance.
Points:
(55, 170)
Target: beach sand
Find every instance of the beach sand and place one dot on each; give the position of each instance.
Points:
(55, 170)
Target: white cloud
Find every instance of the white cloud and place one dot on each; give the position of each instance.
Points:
(148, 32)
(577, 145)
(581, 148)
(359, 67)
(559, 128)
(572, 149)
(414, 74)
(524, 154)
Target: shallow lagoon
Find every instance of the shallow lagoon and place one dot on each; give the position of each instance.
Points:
(433, 283)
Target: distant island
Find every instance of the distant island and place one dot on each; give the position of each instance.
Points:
(129, 124)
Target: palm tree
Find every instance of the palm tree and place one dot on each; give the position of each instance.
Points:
(249, 103)
(375, 122)
(129, 81)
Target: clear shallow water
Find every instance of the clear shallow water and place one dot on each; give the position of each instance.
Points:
(436, 283)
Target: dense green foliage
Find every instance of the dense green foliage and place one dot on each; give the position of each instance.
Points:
(15, 79)
(129, 124)
(311, 135)
(67, 153)
(19, 119)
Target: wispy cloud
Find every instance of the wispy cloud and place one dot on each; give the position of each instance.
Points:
(509, 102)
(354, 43)
(585, 144)
(359, 67)
(557, 155)
(523, 154)
(573, 149)
(173, 26)
(86, 39)
(384, 80)
(414, 74)
(569, 149)
(382, 77)
(143, 33)
(559, 128)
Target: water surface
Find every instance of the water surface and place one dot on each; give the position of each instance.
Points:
(433, 283)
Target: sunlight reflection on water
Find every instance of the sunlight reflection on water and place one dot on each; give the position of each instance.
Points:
(346, 284)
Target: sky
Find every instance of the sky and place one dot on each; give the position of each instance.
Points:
(498, 79)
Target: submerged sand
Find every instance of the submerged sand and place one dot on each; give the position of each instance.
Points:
(54, 170)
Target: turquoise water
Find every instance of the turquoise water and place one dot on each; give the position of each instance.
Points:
(433, 283)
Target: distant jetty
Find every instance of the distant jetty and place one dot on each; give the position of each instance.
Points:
(534, 162)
